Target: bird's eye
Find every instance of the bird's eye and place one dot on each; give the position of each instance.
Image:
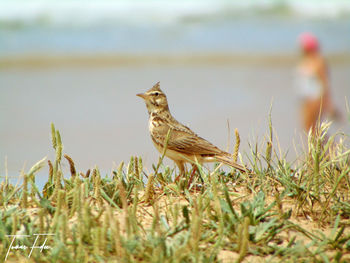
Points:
(156, 94)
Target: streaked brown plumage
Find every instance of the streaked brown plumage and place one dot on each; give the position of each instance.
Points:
(183, 144)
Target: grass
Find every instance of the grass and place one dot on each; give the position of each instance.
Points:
(284, 212)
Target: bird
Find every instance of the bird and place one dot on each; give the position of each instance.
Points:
(181, 144)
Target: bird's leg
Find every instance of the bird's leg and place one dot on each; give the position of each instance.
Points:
(194, 170)
(181, 168)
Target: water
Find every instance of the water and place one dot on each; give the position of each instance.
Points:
(135, 27)
(217, 61)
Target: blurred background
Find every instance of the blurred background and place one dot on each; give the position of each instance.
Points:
(80, 63)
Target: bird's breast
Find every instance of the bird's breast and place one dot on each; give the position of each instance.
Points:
(152, 125)
(156, 123)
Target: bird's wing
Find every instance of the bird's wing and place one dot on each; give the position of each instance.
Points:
(186, 141)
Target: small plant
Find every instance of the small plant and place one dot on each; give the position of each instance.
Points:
(284, 212)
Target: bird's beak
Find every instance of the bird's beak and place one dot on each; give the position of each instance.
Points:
(142, 95)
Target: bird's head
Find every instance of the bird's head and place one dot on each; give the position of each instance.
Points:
(155, 99)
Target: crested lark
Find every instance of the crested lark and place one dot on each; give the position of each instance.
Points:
(183, 144)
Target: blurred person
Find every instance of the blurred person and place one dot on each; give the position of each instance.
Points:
(313, 84)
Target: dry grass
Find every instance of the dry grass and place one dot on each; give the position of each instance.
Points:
(279, 214)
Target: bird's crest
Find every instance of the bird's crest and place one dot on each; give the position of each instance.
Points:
(156, 87)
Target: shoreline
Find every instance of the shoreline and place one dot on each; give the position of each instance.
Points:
(121, 59)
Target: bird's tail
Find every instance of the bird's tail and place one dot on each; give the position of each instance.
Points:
(228, 161)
